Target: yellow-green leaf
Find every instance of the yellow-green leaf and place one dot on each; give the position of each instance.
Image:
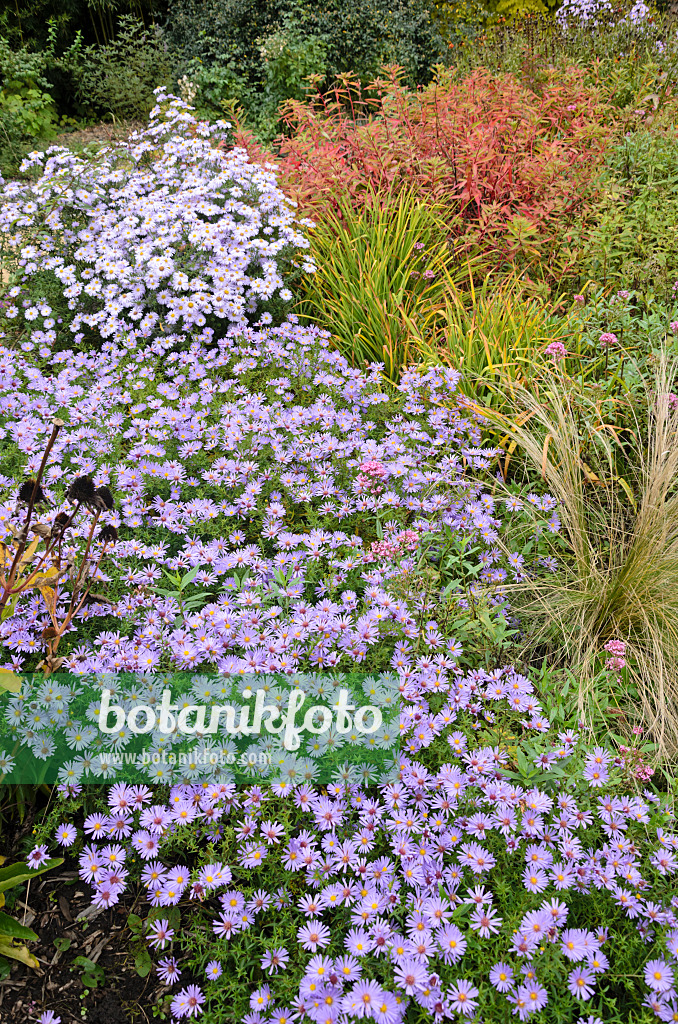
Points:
(20, 953)
(9, 681)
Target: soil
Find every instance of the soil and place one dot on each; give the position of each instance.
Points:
(57, 906)
(98, 133)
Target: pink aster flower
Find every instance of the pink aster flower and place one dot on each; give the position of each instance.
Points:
(160, 934)
(37, 857)
(188, 1002)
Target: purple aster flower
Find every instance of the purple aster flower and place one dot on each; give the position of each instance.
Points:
(66, 835)
(213, 970)
(362, 999)
(501, 976)
(411, 975)
(275, 960)
(313, 935)
(36, 858)
(659, 976)
(160, 934)
(534, 996)
(463, 998)
(581, 983)
(573, 944)
(168, 970)
(188, 1002)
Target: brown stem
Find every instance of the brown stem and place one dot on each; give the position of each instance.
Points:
(7, 592)
(73, 610)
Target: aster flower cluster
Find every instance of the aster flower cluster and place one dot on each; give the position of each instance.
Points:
(398, 887)
(240, 464)
(165, 235)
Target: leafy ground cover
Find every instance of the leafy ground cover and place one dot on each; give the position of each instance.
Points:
(422, 451)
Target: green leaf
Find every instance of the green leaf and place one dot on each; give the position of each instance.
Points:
(15, 874)
(62, 944)
(14, 930)
(86, 964)
(134, 923)
(189, 577)
(143, 963)
(5, 968)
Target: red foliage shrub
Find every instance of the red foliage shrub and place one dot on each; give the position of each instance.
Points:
(510, 166)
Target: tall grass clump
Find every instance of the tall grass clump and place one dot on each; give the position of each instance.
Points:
(381, 270)
(494, 333)
(617, 569)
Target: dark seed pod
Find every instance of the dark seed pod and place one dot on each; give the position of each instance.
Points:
(82, 490)
(108, 535)
(105, 498)
(60, 522)
(26, 492)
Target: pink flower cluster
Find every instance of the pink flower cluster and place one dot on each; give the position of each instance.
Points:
(617, 650)
(394, 546)
(372, 471)
(556, 350)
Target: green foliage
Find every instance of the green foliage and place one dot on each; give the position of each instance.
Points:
(362, 35)
(13, 935)
(259, 54)
(92, 973)
(495, 335)
(28, 22)
(632, 239)
(119, 78)
(27, 110)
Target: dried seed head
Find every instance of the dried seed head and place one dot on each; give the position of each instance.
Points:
(108, 535)
(105, 498)
(26, 492)
(82, 489)
(60, 523)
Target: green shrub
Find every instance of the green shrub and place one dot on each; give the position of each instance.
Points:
(27, 110)
(362, 35)
(259, 54)
(119, 78)
(632, 239)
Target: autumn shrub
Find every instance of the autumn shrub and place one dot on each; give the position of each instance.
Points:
(508, 165)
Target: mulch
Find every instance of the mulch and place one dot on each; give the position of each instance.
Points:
(58, 906)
